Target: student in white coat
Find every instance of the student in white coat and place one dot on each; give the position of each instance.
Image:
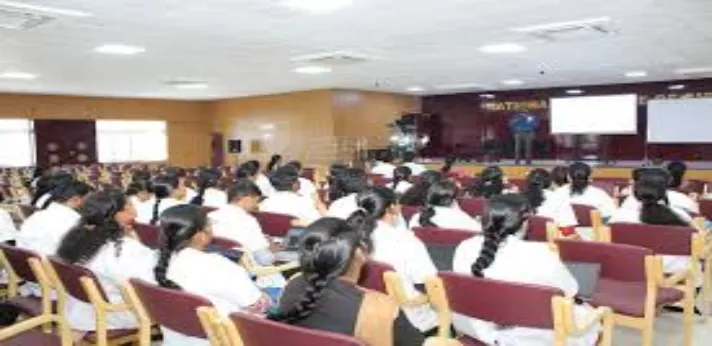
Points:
(409, 161)
(186, 194)
(46, 184)
(580, 191)
(547, 203)
(401, 180)
(306, 186)
(559, 177)
(343, 189)
(384, 166)
(442, 210)
(286, 200)
(677, 170)
(139, 192)
(379, 211)
(208, 193)
(44, 229)
(502, 255)
(167, 193)
(104, 243)
(490, 183)
(251, 170)
(8, 231)
(183, 264)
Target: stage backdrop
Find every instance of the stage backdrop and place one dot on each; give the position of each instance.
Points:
(60, 142)
(470, 125)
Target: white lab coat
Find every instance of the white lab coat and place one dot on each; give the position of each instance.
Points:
(144, 210)
(233, 222)
(214, 198)
(415, 168)
(402, 187)
(450, 217)
(592, 196)
(306, 188)
(226, 284)
(383, 168)
(189, 195)
(44, 230)
(409, 257)
(556, 206)
(112, 268)
(8, 231)
(290, 203)
(525, 262)
(343, 207)
(265, 185)
(677, 200)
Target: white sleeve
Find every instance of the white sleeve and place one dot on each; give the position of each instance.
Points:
(606, 204)
(136, 261)
(566, 217)
(465, 255)
(232, 283)
(307, 210)
(8, 231)
(419, 265)
(555, 273)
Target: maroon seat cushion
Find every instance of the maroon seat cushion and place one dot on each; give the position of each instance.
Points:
(468, 341)
(628, 298)
(111, 334)
(27, 305)
(31, 338)
(372, 276)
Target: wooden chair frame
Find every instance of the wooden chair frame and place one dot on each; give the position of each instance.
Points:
(395, 289)
(214, 326)
(46, 321)
(14, 280)
(248, 262)
(142, 316)
(101, 308)
(563, 312)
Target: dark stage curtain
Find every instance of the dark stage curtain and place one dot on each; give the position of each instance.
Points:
(61, 142)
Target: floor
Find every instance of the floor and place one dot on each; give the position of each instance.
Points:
(668, 332)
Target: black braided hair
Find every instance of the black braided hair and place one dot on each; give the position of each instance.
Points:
(163, 187)
(207, 178)
(179, 224)
(580, 174)
(505, 216)
(400, 174)
(560, 175)
(66, 190)
(274, 162)
(489, 184)
(651, 189)
(538, 180)
(417, 195)
(441, 194)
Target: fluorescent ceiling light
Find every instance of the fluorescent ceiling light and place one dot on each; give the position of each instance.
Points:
(487, 96)
(18, 75)
(191, 85)
(636, 74)
(119, 49)
(694, 70)
(415, 89)
(502, 48)
(312, 69)
(563, 25)
(43, 9)
(574, 91)
(677, 87)
(267, 127)
(458, 86)
(317, 6)
(512, 82)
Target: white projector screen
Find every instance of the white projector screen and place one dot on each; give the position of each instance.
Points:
(614, 114)
(680, 121)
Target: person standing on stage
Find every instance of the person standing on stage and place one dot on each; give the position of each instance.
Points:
(523, 126)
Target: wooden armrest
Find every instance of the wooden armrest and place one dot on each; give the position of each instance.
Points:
(415, 302)
(28, 324)
(438, 341)
(395, 289)
(673, 280)
(596, 316)
(117, 307)
(271, 270)
(565, 308)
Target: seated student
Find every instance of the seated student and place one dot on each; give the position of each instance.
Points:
(417, 195)
(186, 193)
(500, 254)
(45, 185)
(102, 242)
(407, 254)
(384, 166)
(286, 200)
(8, 231)
(235, 221)
(349, 184)
(167, 193)
(183, 264)
(409, 161)
(401, 180)
(139, 191)
(44, 229)
(560, 176)
(676, 197)
(326, 296)
(274, 163)
(681, 202)
(334, 191)
(489, 184)
(580, 191)
(208, 194)
(544, 202)
(251, 170)
(442, 210)
(306, 186)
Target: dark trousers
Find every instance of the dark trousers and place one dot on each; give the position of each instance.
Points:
(526, 140)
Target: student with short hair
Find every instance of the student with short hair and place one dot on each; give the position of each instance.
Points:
(208, 194)
(490, 183)
(409, 161)
(186, 193)
(502, 255)
(676, 197)
(401, 180)
(251, 170)
(326, 295)
(139, 191)
(547, 203)
(417, 195)
(349, 183)
(286, 200)
(560, 176)
(306, 186)
(384, 166)
(442, 210)
(580, 191)
(183, 264)
(103, 243)
(167, 193)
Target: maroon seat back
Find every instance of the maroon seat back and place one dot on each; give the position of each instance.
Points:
(618, 261)
(171, 308)
(473, 206)
(378, 180)
(208, 210)
(308, 173)
(706, 208)
(500, 302)
(27, 210)
(70, 274)
(664, 240)
(273, 224)
(18, 259)
(583, 214)
(148, 234)
(518, 183)
(372, 276)
(442, 236)
(536, 231)
(256, 331)
(408, 211)
(225, 243)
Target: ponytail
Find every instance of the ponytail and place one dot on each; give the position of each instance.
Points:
(654, 213)
(155, 214)
(179, 224)
(651, 189)
(199, 198)
(426, 216)
(161, 269)
(400, 174)
(490, 246)
(580, 174)
(537, 181)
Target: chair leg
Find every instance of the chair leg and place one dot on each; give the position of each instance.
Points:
(648, 335)
(689, 311)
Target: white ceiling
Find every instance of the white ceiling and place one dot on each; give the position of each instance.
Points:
(243, 47)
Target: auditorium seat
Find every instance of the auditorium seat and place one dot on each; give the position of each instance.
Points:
(540, 229)
(273, 224)
(372, 276)
(26, 333)
(706, 208)
(442, 243)
(25, 266)
(409, 211)
(148, 234)
(473, 206)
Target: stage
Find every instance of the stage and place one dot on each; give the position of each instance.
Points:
(697, 170)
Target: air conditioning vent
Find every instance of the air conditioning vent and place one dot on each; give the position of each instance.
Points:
(574, 30)
(338, 58)
(22, 20)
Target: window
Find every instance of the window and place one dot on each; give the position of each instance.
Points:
(17, 143)
(131, 141)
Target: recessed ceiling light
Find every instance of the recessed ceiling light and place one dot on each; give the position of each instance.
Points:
(694, 70)
(312, 69)
(415, 89)
(502, 48)
(18, 75)
(119, 49)
(44, 9)
(636, 74)
(191, 85)
(267, 127)
(588, 22)
(677, 87)
(574, 91)
(317, 6)
(459, 86)
(512, 82)
(487, 96)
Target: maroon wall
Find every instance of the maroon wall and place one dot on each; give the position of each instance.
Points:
(467, 121)
(60, 142)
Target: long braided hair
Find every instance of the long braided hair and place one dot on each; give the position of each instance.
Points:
(441, 194)
(179, 224)
(504, 217)
(489, 184)
(163, 187)
(400, 174)
(538, 180)
(651, 190)
(207, 178)
(580, 175)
